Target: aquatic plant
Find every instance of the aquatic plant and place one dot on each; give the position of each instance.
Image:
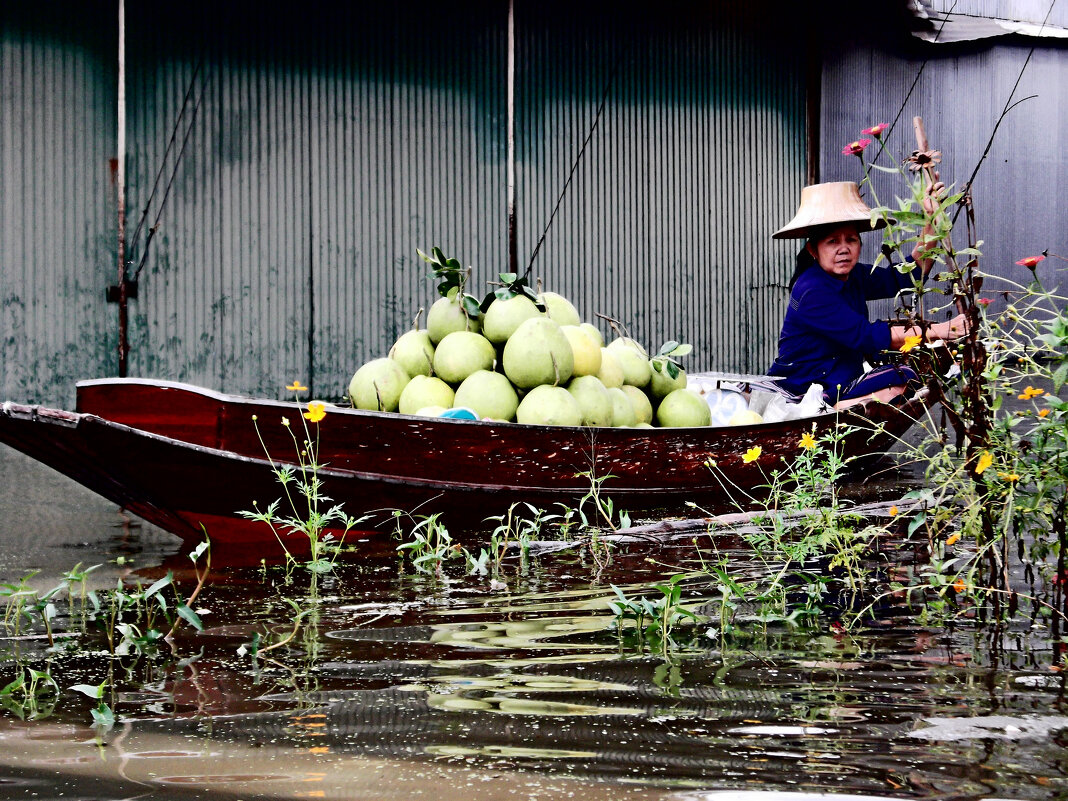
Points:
(519, 526)
(19, 597)
(31, 695)
(998, 491)
(653, 619)
(307, 512)
(103, 716)
(994, 495)
(427, 543)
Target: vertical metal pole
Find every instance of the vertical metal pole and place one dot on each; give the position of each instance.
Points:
(120, 182)
(513, 246)
(813, 99)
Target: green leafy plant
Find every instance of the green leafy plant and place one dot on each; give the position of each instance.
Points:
(665, 359)
(654, 620)
(452, 279)
(511, 285)
(426, 544)
(21, 599)
(103, 716)
(519, 526)
(31, 695)
(308, 512)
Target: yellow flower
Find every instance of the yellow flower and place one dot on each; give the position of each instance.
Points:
(952, 538)
(752, 454)
(985, 460)
(316, 411)
(910, 343)
(893, 511)
(1031, 392)
(1012, 478)
(1043, 412)
(808, 442)
(296, 386)
(285, 422)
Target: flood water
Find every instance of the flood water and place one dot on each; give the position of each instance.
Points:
(398, 685)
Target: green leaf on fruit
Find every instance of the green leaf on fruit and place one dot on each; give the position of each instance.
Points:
(668, 346)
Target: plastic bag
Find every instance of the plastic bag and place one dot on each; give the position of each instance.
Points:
(779, 407)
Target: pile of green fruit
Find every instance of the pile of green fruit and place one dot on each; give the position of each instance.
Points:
(525, 357)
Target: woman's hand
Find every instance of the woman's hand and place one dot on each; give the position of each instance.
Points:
(950, 329)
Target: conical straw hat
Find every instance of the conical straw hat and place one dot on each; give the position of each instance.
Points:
(828, 204)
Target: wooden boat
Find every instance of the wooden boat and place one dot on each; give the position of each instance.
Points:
(189, 459)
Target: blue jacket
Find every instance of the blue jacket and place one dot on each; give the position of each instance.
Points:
(826, 334)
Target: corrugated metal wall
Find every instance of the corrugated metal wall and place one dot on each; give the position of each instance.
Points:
(1019, 198)
(329, 145)
(57, 204)
(697, 157)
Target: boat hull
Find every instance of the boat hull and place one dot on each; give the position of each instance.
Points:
(190, 460)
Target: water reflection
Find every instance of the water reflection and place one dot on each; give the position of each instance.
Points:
(395, 685)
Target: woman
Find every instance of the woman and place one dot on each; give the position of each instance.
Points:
(826, 334)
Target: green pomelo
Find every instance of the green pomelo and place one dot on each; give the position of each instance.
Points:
(422, 391)
(377, 386)
(538, 353)
(611, 372)
(549, 406)
(661, 384)
(623, 413)
(745, 417)
(430, 411)
(644, 425)
(503, 317)
(462, 353)
(627, 342)
(559, 309)
(643, 408)
(683, 408)
(593, 399)
(488, 393)
(446, 316)
(595, 335)
(414, 352)
(636, 369)
(586, 352)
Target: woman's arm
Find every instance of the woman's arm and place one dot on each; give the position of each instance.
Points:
(949, 331)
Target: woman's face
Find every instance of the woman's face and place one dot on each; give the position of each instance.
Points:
(836, 251)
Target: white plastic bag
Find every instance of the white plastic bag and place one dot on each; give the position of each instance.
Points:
(779, 408)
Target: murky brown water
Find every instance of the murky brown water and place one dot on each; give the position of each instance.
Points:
(399, 686)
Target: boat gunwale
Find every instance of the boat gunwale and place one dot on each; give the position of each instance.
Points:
(33, 413)
(699, 432)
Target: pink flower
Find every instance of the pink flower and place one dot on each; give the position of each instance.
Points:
(983, 301)
(876, 130)
(1031, 261)
(855, 148)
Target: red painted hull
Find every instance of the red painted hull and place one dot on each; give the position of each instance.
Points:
(185, 458)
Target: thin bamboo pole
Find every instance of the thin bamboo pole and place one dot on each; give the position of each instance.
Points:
(513, 245)
(120, 182)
